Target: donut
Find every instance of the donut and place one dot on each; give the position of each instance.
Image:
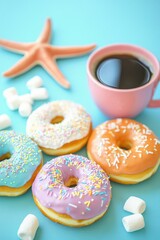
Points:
(20, 161)
(127, 150)
(72, 190)
(59, 127)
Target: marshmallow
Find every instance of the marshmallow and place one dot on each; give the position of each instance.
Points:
(13, 102)
(28, 227)
(135, 205)
(5, 121)
(34, 82)
(133, 222)
(25, 109)
(26, 98)
(39, 93)
(10, 92)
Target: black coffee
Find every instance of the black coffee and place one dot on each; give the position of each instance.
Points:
(123, 72)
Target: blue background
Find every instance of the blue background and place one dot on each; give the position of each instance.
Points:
(79, 23)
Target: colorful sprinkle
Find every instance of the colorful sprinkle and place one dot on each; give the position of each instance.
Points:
(76, 124)
(85, 198)
(24, 160)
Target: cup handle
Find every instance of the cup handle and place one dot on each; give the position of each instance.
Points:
(154, 103)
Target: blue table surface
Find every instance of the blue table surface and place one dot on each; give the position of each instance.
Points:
(79, 23)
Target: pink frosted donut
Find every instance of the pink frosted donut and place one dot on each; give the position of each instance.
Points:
(72, 190)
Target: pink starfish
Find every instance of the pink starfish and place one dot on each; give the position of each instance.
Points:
(41, 52)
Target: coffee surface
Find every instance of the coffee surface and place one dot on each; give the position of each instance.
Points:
(123, 72)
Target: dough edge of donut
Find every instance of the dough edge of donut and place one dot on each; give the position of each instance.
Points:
(68, 148)
(13, 192)
(66, 219)
(134, 178)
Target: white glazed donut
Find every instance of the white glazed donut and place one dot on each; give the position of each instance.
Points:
(59, 127)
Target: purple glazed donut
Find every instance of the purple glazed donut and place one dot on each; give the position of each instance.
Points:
(72, 190)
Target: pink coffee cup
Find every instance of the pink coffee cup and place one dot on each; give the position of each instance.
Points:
(123, 102)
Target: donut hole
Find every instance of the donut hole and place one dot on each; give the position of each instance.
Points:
(125, 144)
(5, 156)
(71, 182)
(57, 119)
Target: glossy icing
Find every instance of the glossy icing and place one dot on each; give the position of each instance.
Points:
(76, 124)
(24, 160)
(106, 141)
(88, 199)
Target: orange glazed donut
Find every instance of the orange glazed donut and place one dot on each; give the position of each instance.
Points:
(127, 150)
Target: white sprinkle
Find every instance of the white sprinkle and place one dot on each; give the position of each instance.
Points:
(143, 131)
(124, 154)
(118, 154)
(139, 151)
(131, 125)
(108, 162)
(157, 141)
(148, 131)
(72, 205)
(111, 125)
(146, 146)
(119, 120)
(115, 162)
(149, 152)
(102, 203)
